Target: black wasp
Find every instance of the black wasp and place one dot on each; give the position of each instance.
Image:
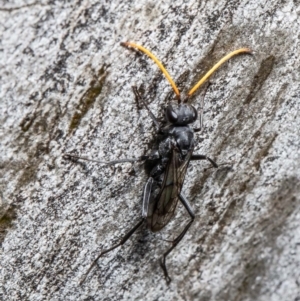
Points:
(173, 155)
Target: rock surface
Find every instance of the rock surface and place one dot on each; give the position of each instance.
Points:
(65, 86)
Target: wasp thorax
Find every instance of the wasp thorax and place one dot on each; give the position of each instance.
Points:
(181, 114)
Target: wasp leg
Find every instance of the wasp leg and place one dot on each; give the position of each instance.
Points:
(199, 129)
(189, 209)
(203, 157)
(140, 99)
(187, 205)
(132, 160)
(146, 197)
(123, 240)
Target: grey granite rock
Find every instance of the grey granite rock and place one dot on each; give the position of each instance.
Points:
(65, 86)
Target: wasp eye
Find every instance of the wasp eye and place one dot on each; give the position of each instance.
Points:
(171, 116)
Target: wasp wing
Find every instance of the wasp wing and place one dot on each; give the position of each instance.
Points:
(167, 199)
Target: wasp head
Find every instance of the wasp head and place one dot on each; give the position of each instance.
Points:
(180, 114)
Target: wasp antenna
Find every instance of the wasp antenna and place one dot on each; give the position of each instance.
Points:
(216, 66)
(158, 63)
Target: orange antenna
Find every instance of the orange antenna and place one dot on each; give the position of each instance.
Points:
(158, 63)
(215, 67)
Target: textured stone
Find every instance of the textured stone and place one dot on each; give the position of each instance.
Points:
(65, 86)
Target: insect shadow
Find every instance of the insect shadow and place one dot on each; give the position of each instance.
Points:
(169, 160)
